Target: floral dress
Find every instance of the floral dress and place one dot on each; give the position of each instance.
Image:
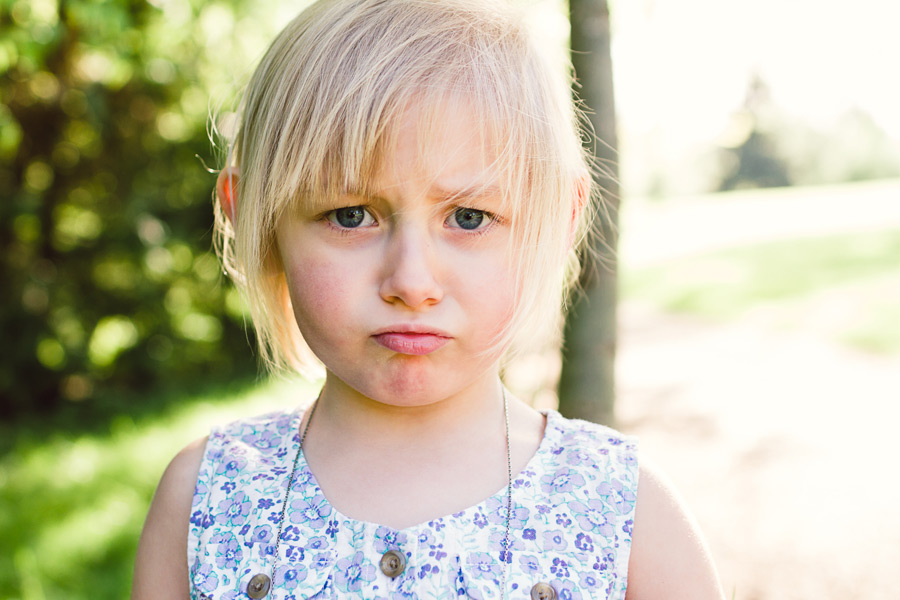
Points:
(570, 527)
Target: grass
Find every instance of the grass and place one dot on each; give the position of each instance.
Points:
(857, 273)
(72, 505)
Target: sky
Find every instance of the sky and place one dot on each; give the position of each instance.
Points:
(688, 61)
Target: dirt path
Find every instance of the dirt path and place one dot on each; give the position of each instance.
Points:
(785, 447)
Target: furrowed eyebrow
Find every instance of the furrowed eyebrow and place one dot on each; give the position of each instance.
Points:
(469, 193)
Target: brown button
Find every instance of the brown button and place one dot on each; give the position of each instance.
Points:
(259, 585)
(543, 591)
(393, 563)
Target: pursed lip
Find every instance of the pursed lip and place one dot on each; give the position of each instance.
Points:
(411, 339)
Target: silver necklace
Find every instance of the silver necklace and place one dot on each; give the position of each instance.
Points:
(261, 583)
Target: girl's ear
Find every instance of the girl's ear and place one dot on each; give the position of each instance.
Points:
(226, 190)
(581, 196)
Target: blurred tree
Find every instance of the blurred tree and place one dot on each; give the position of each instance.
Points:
(587, 381)
(105, 220)
(751, 158)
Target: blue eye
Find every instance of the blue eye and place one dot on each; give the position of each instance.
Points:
(350, 217)
(469, 218)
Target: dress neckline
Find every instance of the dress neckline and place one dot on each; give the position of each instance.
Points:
(551, 429)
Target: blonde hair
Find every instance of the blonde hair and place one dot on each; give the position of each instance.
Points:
(324, 103)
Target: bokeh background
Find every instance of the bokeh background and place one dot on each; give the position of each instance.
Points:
(759, 265)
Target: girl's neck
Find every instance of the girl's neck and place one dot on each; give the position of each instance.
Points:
(403, 465)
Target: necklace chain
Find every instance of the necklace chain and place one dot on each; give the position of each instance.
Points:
(504, 556)
(287, 492)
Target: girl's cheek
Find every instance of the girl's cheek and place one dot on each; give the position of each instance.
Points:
(318, 287)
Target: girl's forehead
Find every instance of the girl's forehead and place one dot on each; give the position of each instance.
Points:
(446, 146)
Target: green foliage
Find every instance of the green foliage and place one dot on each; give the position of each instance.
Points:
(105, 224)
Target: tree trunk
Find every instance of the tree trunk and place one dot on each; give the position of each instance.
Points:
(587, 382)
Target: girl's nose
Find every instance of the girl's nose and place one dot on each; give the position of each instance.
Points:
(410, 276)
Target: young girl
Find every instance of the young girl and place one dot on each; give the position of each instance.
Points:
(402, 203)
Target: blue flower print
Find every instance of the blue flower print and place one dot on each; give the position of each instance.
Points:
(203, 578)
(215, 452)
(479, 520)
(425, 538)
(262, 440)
(207, 521)
(406, 590)
(566, 590)
(234, 510)
(228, 550)
(231, 466)
(332, 528)
(628, 526)
(496, 513)
(386, 538)
(262, 476)
(498, 538)
(321, 561)
(285, 425)
(529, 564)
(290, 534)
(563, 519)
(560, 568)
(265, 503)
(616, 494)
(483, 565)
(471, 593)
(561, 482)
(311, 512)
(289, 576)
(197, 518)
(589, 581)
(428, 570)
(555, 540)
(302, 479)
(594, 517)
(437, 552)
(576, 456)
(609, 555)
(528, 534)
(584, 542)
(261, 534)
(317, 543)
(353, 572)
(199, 492)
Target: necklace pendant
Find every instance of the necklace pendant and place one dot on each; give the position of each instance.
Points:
(258, 586)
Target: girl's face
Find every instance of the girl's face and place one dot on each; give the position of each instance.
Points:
(401, 291)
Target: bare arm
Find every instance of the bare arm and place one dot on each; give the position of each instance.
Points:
(160, 569)
(669, 558)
